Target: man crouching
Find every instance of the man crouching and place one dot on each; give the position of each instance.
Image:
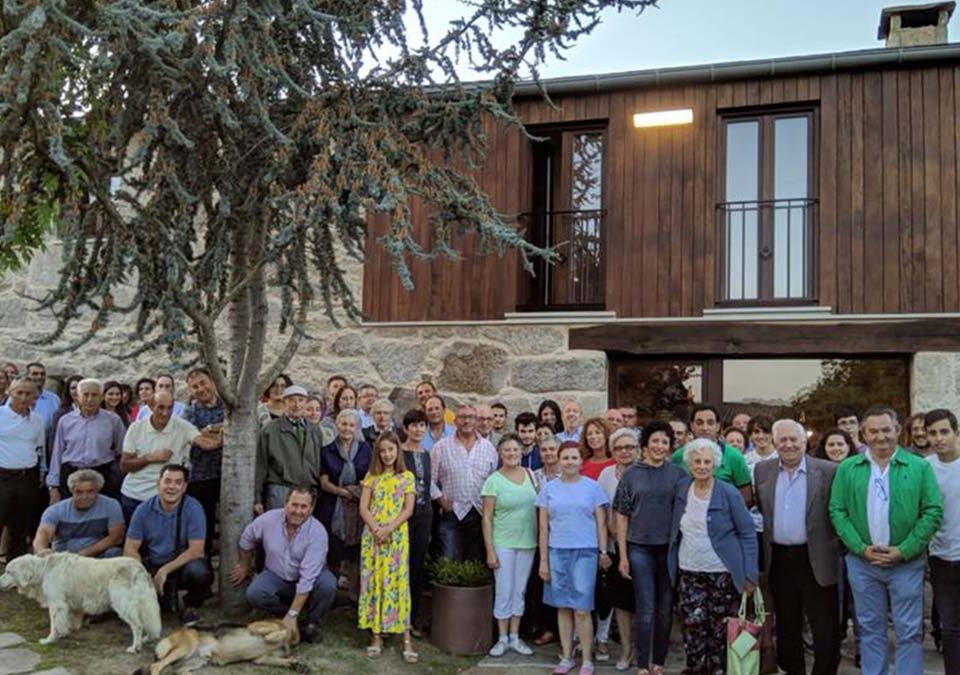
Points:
(89, 524)
(295, 581)
(166, 534)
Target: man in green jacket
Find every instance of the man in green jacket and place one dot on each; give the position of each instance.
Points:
(885, 507)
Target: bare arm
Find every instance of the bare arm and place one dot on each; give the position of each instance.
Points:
(489, 503)
(43, 540)
(131, 548)
(130, 462)
(365, 513)
(543, 537)
(114, 538)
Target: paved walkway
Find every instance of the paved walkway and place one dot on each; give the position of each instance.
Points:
(16, 657)
(545, 658)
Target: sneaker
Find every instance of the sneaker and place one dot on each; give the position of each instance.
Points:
(602, 652)
(564, 667)
(499, 648)
(190, 617)
(586, 668)
(520, 647)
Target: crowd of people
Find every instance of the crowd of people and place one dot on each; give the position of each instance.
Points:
(593, 528)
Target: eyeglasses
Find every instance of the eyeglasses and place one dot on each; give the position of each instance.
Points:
(881, 489)
(631, 448)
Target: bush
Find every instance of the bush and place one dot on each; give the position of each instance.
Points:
(464, 573)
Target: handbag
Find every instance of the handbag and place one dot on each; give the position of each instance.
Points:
(768, 645)
(743, 637)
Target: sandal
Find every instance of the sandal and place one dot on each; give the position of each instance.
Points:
(409, 655)
(375, 648)
(656, 670)
(545, 638)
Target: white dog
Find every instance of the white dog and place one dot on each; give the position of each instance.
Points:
(71, 586)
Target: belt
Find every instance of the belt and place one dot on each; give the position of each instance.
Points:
(791, 548)
(18, 473)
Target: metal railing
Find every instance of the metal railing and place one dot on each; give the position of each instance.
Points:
(767, 248)
(576, 280)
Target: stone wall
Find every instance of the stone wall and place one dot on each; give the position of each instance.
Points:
(517, 364)
(935, 381)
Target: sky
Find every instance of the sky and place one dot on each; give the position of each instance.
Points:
(687, 32)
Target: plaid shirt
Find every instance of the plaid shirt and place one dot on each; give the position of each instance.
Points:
(205, 464)
(460, 473)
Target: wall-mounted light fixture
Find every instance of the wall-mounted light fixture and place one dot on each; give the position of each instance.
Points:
(663, 118)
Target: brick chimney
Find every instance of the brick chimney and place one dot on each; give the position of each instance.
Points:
(914, 25)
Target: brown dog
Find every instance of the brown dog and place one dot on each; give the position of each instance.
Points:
(262, 642)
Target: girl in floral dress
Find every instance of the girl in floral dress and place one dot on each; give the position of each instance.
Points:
(386, 503)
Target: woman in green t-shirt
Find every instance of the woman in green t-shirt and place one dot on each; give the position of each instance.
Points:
(510, 535)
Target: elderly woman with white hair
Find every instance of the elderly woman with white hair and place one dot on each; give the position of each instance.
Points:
(712, 558)
(343, 465)
(383, 423)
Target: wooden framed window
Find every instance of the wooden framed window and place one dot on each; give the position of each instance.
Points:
(568, 214)
(768, 212)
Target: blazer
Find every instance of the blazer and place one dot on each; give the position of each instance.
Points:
(823, 546)
(732, 531)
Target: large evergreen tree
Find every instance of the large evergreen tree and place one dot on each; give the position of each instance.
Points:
(202, 151)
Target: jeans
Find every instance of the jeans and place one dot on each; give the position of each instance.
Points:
(269, 593)
(461, 539)
(207, 492)
(195, 578)
(18, 496)
(873, 587)
(128, 505)
(653, 595)
(945, 579)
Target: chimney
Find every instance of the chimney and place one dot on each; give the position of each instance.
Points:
(915, 25)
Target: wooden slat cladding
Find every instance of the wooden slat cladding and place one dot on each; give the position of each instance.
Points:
(888, 185)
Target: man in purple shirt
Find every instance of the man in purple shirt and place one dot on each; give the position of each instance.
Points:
(87, 438)
(295, 581)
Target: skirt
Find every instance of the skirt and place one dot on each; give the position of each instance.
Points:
(573, 578)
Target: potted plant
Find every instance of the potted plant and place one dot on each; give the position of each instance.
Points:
(462, 612)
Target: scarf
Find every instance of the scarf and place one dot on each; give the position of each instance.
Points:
(346, 515)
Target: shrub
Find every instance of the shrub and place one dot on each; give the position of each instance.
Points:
(465, 573)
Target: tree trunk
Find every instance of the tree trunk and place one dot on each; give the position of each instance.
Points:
(236, 491)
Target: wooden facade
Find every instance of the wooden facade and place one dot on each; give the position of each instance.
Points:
(886, 181)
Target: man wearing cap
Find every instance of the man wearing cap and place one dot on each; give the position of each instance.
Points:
(288, 453)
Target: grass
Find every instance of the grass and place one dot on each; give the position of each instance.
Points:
(99, 649)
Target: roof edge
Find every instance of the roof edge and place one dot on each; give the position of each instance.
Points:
(732, 70)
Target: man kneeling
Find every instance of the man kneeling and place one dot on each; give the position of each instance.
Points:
(295, 581)
(88, 524)
(170, 529)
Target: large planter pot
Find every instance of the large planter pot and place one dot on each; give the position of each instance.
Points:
(462, 619)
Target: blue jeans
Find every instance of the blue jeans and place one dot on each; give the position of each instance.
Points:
(874, 588)
(273, 595)
(653, 600)
(461, 539)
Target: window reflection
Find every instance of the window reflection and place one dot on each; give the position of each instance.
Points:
(661, 388)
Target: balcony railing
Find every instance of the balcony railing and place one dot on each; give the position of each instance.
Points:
(576, 280)
(767, 250)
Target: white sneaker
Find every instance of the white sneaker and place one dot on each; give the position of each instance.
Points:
(500, 647)
(520, 647)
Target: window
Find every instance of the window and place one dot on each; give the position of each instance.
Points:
(568, 215)
(768, 213)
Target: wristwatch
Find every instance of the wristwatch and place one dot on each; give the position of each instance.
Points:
(604, 553)
(292, 613)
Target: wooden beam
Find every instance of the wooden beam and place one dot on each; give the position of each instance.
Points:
(730, 338)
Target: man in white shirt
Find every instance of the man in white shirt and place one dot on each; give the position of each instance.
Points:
(941, 428)
(150, 444)
(459, 465)
(22, 462)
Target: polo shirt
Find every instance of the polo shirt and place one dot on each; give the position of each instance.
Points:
(733, 467)
(154, 527)
(142, 439)
(75, 530)
(21, 440)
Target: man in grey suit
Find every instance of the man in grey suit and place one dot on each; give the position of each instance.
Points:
(802, 549)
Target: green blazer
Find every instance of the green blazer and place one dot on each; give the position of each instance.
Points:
(915, 507)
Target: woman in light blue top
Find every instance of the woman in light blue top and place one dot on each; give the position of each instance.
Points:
(573, 540)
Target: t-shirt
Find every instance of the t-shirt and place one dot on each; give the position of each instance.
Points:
(75, 530)
(593, 470)
(142, 439)
(645, 495)
(608, 482)
(945, 543)
(733, 468)
(571, 508)
(154, 526)
(514, 513)
(696, 552)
